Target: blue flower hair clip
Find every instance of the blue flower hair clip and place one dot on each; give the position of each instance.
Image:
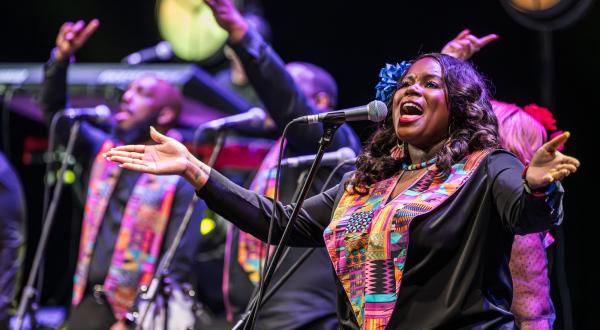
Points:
(389, 79)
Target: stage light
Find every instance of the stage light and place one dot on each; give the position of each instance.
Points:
(190, 27)
(207, 225)
(534, 5)
(546, 15)
(69, 177)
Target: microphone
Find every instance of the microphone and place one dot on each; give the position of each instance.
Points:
(374, 111)
(162, 51)
(253, 118)
(329, 158)
(98, 113)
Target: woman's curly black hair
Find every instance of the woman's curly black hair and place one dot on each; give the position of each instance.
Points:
(473, 126)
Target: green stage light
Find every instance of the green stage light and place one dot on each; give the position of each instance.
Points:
(190, 27)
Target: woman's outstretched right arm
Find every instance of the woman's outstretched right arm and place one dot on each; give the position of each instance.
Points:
(249, 211)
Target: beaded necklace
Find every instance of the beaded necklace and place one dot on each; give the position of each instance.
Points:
(411, 167)
(418, 166)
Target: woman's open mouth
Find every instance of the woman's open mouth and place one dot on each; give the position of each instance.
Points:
(410, 112)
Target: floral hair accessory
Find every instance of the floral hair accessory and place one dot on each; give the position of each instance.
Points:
(389, 80)
(541, 115)
(544, 116)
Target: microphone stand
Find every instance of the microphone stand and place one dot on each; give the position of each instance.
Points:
(158, 281)
(286, 252)
(329, 130)
(299, 261)
(283, 279)
(29, 292)
(306, 253)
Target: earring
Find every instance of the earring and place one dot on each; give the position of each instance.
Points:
(397, 151)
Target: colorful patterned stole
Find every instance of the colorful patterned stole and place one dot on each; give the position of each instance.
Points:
(367, 239)
(252, 251)
(140, 235)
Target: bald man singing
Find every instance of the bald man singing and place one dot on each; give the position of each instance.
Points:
(128, 219)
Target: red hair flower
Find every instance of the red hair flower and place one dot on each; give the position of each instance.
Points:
(541, 115)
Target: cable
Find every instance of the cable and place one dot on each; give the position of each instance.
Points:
(261, 289)
(48, 158)
(335, 169)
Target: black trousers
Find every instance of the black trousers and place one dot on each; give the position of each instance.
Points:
(91, 315)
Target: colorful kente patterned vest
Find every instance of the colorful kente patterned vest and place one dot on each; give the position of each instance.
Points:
(140, 235)
(367, 239)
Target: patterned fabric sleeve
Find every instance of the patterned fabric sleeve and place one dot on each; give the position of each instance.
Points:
(531, 304)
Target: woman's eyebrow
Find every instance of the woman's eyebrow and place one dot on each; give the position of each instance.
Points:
(432, 75)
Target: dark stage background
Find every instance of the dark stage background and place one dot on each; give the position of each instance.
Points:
(352, 40)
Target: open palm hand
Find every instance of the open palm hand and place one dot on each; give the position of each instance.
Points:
(465, 45)
(73, 36)
(549, 165)
(167, 157)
